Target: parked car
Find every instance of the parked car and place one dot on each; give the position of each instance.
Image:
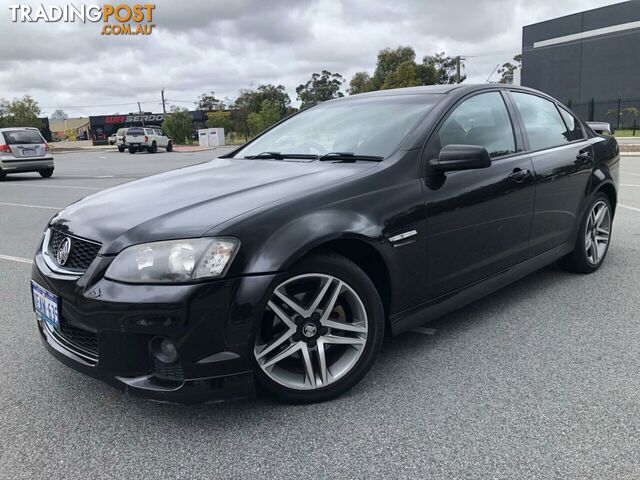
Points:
(284, 263)
(113, 139)
(147, 138)
(23, 149)
(602, 128)
(120, 134)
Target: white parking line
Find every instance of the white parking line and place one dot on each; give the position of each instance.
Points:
(15, 259)
(38, 185)
(425, 331)
(629, 173)
(629, 208)
(30, 206)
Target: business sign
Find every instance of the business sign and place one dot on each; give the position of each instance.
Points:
(151, 118)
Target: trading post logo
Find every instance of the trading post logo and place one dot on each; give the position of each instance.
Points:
(120, 19)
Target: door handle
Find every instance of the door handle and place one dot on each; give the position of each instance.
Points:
(519, 174)
(584, 155)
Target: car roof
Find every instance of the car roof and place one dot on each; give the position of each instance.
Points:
(8, 129)
(462, 88)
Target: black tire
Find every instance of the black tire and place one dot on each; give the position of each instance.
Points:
(121, 149)
(347, 271)
(153, 148)
(132, 150)
(3, 175)
(169, 147)
(578, 261)
(46, 173)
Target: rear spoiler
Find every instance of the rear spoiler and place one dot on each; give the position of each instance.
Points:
(602, 128)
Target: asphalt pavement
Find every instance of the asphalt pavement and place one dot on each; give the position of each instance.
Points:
(539, 380)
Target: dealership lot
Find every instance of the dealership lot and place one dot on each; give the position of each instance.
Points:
(539, 380)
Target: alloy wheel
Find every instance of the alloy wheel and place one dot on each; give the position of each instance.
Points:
(314, 331)
(598, 232)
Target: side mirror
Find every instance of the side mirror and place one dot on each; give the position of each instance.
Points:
(461, 157)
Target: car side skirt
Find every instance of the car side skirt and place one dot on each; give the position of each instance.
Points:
(435, 308)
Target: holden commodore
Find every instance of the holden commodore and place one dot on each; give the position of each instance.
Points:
(281, 266)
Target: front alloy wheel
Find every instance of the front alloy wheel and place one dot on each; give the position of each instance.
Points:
(318, 336)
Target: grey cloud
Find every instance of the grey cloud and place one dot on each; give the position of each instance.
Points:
(203, 45)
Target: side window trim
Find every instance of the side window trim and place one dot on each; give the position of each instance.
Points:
(575, 120)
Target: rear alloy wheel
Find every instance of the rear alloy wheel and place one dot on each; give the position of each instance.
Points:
(46, 173)
(594, 237)
(321, 331)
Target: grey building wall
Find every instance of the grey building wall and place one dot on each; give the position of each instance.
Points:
(605, 67)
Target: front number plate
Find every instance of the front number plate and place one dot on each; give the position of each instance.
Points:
(45, 304)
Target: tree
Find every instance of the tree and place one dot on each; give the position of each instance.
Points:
(444, 68)
(276, 94)
(208, 102)
(507, 69)
(322, 87)
(59, 114)
(220, 120)
(405, 75)
(20, 113)
(360, 83)
(268, 115)
(388, 62)
(250, 101)
(178, 125)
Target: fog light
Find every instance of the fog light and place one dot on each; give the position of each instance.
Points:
(164, 350)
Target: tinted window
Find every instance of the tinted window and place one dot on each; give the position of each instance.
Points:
(157, 132)
(575, 130)
(135, 131)
(369, 125)
(542, 121)
(482, 120)
(16, 137)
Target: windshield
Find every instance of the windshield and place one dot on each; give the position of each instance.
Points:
(369, 126)
(16, 137)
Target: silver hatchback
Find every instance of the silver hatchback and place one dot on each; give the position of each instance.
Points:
(22, 149)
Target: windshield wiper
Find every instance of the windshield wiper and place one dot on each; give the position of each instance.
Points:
(348, 157)
(281, 156)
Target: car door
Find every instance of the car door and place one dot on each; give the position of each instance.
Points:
(562, 160)
(161, 139)
(478, 221)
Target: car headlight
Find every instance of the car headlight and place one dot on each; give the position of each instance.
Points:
(174, 261)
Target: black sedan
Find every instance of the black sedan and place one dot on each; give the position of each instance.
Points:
(284, 264)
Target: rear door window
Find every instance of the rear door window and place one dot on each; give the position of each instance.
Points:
(542, 121)
(21, 137)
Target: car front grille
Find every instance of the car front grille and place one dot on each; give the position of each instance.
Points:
(78, 341)
(82, 252)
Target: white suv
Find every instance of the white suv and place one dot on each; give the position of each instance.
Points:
(146, 138)
(24, 150)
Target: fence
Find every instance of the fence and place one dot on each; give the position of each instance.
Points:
(620, 113)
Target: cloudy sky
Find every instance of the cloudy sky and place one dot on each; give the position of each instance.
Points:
(225, 46)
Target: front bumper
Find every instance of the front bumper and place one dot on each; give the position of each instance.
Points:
(106, 329)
